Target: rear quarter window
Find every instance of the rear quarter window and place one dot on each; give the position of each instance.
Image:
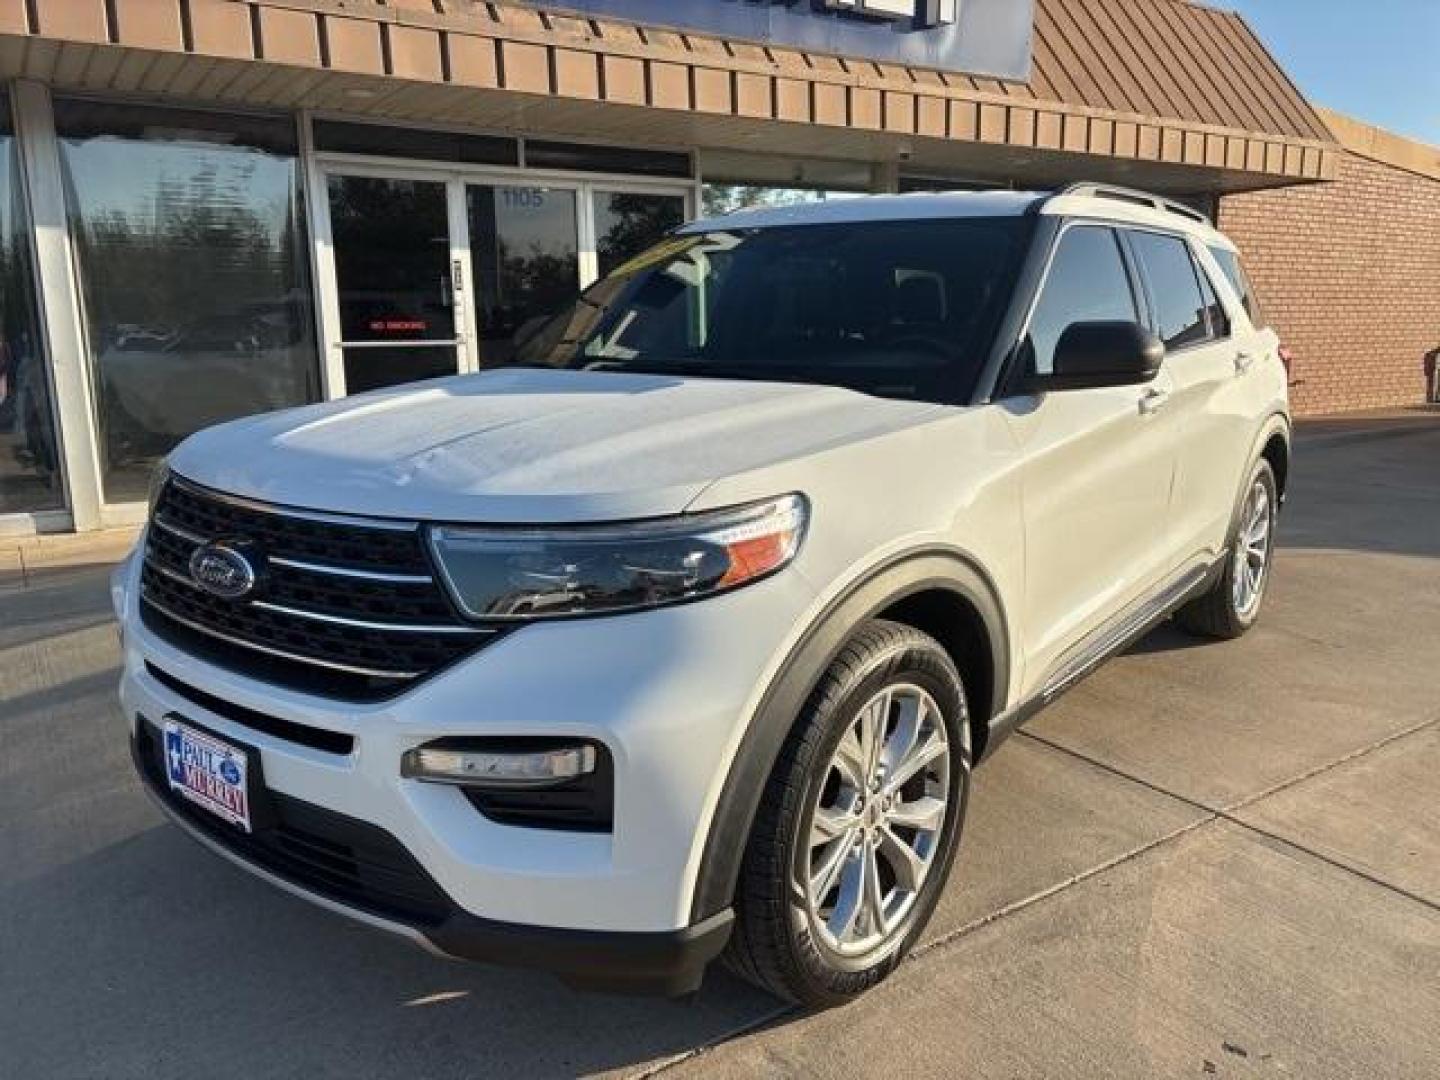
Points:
(1180, 310)
(1231, 266)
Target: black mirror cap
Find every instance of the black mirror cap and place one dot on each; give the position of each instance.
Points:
(1093, 354)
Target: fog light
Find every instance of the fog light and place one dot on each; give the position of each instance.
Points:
(496, 768)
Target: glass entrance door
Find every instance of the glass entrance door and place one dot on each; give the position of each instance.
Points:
(399, 274)
(525, 248)
(429, 272)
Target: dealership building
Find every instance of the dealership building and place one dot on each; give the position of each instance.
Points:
(216, 207)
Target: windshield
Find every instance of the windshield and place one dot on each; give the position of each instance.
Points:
(893, 308)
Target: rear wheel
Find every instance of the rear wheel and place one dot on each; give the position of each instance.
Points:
(1233, 603)
(858, 824)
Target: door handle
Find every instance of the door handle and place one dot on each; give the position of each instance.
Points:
(1153, 400)
(1243, 361)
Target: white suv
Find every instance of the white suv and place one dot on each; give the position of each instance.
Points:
(682, 635)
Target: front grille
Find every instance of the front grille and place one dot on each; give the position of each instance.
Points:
(341, 858)
(331, 742)
(341, 607)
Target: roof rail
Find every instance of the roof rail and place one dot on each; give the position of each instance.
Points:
(1130, 195)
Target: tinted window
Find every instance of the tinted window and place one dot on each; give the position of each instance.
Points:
(1240, 281)
(1087, 283)
(346, 138)
(606, 159)
(895, 308)
(1214, 307)
(1174, 289)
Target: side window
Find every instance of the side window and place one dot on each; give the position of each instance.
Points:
(1087, 283)
(1214, 306)
(1174, 289)
(1230, 264)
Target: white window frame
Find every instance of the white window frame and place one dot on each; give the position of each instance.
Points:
(61, 321)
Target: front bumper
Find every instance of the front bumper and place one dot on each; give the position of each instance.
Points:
(669, 963)
(668, 692)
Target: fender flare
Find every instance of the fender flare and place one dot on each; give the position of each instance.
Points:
(904, 575)
(1277, 423)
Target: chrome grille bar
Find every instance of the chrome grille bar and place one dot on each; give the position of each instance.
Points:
(349, 572)
(320, 616)
(269, 650)
(364, 624)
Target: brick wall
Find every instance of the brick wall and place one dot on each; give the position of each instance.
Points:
(1349, 274)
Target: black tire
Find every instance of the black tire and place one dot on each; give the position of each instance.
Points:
(1216, 613)
(774, 944)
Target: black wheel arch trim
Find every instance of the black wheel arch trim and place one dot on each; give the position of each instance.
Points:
(903, 575)
(1276, 423)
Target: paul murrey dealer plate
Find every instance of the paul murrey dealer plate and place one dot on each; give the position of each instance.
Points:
(208, 772)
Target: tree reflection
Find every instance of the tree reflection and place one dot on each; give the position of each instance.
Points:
(29, 469)
(195, 286)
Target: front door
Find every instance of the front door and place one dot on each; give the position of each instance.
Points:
(1097, 465)
(525, 247)
(399, 272)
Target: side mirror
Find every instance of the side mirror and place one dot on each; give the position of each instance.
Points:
(1094, 354)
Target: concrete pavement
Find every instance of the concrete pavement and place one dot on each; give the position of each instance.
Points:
(1206, 860)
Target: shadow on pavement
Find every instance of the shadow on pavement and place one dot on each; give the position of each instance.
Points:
(159, 959)
(1366, 486)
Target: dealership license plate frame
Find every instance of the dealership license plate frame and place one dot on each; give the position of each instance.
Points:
(233, 798)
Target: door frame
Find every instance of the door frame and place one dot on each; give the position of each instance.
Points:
(320, 166)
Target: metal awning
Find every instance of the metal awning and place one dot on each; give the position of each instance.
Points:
(1162, 93)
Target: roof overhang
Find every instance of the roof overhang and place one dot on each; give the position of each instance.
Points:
(512, 68)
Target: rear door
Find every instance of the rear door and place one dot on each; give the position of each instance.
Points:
(1210, 352)
(1096, 465)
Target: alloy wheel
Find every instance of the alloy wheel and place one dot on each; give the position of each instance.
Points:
(876, 825)
(1252, 550)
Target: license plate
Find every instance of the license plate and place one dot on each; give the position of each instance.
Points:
(208, 771)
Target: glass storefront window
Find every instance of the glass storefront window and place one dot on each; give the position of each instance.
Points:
(190, 245)
(29, 465)
(628, 222)
(524, 248)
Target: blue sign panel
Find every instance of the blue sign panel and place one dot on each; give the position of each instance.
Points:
(980, 37)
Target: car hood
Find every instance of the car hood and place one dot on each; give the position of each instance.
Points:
(531, 445)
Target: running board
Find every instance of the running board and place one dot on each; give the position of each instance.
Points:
(1112, 638)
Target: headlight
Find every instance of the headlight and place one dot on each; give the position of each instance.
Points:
(498, 573)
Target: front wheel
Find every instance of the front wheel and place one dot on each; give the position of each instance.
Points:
(859, 822)
(1233, 603)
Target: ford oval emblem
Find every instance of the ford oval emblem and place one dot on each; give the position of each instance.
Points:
(222, 571)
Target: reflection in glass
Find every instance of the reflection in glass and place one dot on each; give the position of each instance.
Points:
(724, 198)
(29, 469)
(374, 368)
(626, 223)
(191, 249)
(392, 270)
(900, 309)
(524, 248)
